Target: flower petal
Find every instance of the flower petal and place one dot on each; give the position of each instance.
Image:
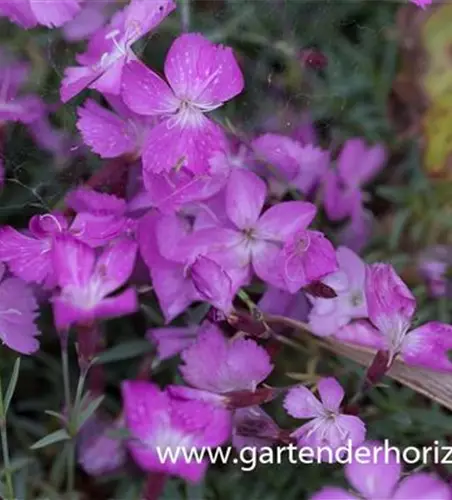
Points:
(390, 303)
(73, 261)
(366, 475)
(331, 393)
(18, 311)
(245, 197)
(422, 486)
(332, 493)
(54, 13)
(428, 346)
(171, 145)
(283, 219)
(202, 72)
(145, 92)
(28, 258)
(104, 132)
(301, 403)
(115, 265)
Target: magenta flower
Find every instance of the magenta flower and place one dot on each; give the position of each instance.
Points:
(173, 340)
(100, 217)
(328, 315)
(30, 13)
(101, 66)
(97, 452)
(212, 282)
(379, 477)
(343, 193)
(99, 221)
(172, 285)
(328, 426)
(18, 312)
(357, 164)
(215, 366)
(28, 253)
(171, 191)
(307, 256)
(201, 77)
(158, 423)
(421, 3)
(111, 133)
(391, 308)
(177, 277)
(86, 282)
(292, 163)
(13, 105)
(248, 237)
(280, 302)
(89, 19)
(433, 266)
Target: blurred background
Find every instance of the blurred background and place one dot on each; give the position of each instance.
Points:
(377, 70)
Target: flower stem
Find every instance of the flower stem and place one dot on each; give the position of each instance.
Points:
(5, 449)
(185, 15)
(67, 400)
(66, 384)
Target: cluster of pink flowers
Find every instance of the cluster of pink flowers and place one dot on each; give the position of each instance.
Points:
(206, 215)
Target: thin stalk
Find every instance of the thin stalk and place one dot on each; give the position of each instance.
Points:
(185, 15)
(5, 449)
(66, 382)
(67, 399)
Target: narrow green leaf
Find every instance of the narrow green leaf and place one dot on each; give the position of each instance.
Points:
(88, 411)
(57, 415)
(12, 385)
(126, 350)
(54, 437)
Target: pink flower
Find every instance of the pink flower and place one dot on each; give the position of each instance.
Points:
(201, 76)
(89, 19)
(216, 366)
(173, 286)
(86, 282)
(18, 312)
(29, 13)
(174, 339)
(97, 452)
(28, 255)
(378, 475)
(328, 315)
(391, 308)
(100, 217)
(279, 302)
(111, 134)
(158, 423)
(248, 237)
(14, 106)
(328, 426)
(307, 256)
(212, 282)
(433, 266)
(293, 163)
(421, 3)
(101, 66)
(343, 194)
(171, 191)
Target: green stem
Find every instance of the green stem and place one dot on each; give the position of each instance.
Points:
(70, 467)
(66, 384)
(185, 15)
(5, 449)
(67, 399)
(247, 300)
